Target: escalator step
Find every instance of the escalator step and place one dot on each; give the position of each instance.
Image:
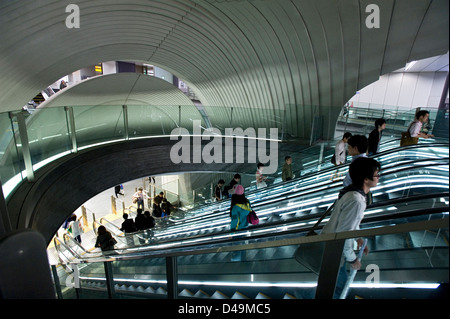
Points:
(140, 289)
(239, 295)
(260, 295)
(149, 290)
(186, 293)
(161, 291)
(288, 296)
(219, 295)
(202, 294)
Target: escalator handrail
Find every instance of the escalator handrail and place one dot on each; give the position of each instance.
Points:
(312, 191)
(343, 166)
(312, 217)
(219, 247)
(75, 242)
(300, 230)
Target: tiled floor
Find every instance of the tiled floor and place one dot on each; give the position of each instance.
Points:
(100, 206)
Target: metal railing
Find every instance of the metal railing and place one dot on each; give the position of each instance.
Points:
(330, 259)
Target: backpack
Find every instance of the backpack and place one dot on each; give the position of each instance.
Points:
(252, 218)
(333, 159)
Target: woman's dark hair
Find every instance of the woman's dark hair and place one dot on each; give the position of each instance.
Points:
(362, 168)
(237, 199)
(101, 230)
(379, 122)
(347, 135)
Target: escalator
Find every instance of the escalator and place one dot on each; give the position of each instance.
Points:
(307, 198)
(413, 189)
(412, 264)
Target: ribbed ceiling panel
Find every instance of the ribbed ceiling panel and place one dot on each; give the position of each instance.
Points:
(302, 56)
(120, 89)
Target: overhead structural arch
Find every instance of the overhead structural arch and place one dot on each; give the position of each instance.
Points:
(303, 57)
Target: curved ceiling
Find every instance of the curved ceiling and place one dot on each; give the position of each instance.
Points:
(119, 89)
(309, 54)
(92, 171)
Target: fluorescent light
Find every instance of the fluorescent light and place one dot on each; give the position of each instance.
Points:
(271, 284)
(410, 65)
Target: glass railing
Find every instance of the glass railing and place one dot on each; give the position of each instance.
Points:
(412, 255)
(50, 133)
(28, 142)
(390, 156)
(293, 205)
(361, 120)
(415, 176)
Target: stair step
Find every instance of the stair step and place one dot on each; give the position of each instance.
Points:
(219, 295)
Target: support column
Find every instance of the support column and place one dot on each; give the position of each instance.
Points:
(125, 122)
(109, 280)
(172, 277)
(5, 223)
(441, 124)
(329, 269)
(71, 127)
(25, 146)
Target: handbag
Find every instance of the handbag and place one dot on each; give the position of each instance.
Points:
(112, 241)
(310, 255)
(406, 139)
(252, 218)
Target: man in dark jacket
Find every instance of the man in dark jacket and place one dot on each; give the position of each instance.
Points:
(375, 137)
(128, 227)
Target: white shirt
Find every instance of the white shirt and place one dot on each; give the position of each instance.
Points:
(140, 196)
(260, 183)
(340, 152)
(415, 128)
(75, 225)
(347, 215)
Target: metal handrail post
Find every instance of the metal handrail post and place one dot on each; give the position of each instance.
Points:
(109, 280)
(172, 277)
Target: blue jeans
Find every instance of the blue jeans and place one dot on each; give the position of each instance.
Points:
(341, 280)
